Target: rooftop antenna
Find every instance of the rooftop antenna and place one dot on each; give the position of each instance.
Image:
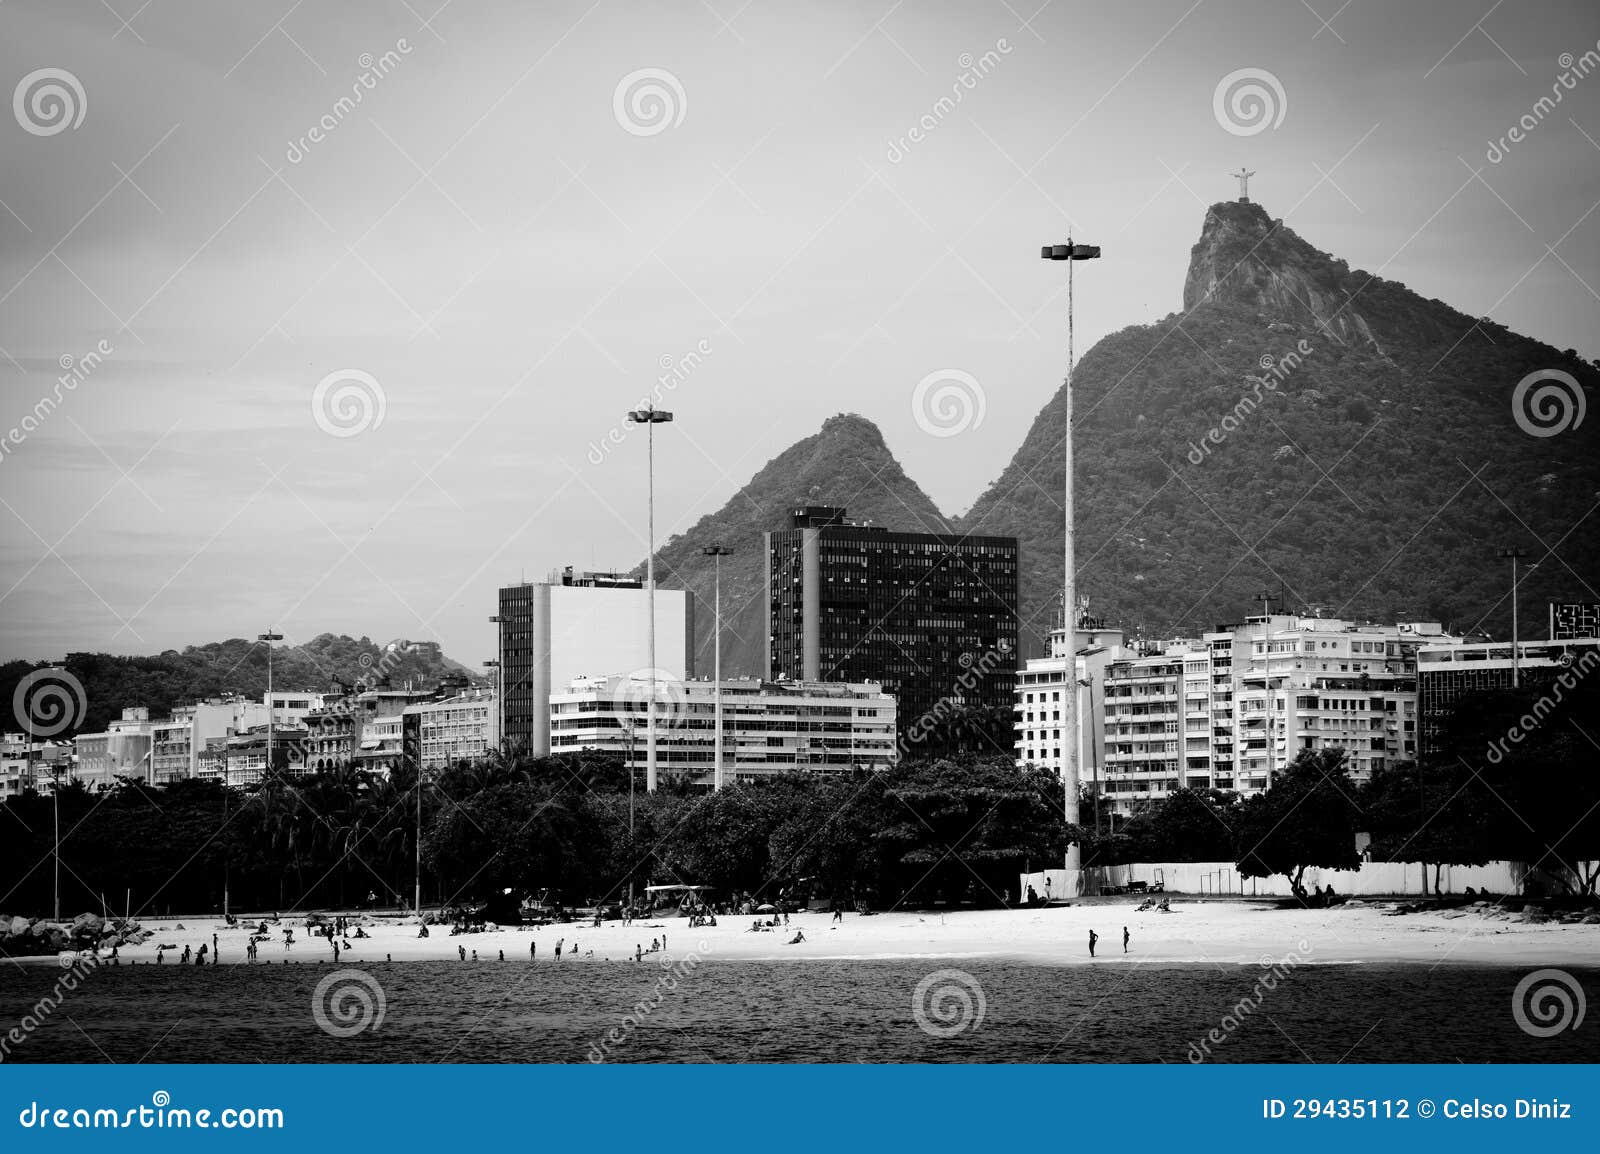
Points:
(1243, 178)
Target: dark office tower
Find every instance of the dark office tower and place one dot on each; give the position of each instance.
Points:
(932, 617)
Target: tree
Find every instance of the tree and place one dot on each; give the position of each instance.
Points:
(1438, 814)
(1308, 817)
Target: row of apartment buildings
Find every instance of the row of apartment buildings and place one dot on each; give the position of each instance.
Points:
(1232, 708)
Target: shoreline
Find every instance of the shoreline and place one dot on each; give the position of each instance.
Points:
(1218, 932)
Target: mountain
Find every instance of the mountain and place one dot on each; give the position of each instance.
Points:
(846, 463)
(1318, 433)
(1302, 429)
(237, 665)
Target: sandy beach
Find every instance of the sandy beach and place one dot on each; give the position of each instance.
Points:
(1198, 932)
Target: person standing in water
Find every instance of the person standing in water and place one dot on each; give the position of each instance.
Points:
(1093, 938)
(1125, 936)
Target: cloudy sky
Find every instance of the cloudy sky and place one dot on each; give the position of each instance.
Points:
(531, 208)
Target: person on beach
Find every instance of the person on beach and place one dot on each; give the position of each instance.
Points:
(638, 952)
(336, 953)
(502, 955)
(533, 951)
(838, 915)
(474, 955)
(1093, 938)
(184, 961)
(213, 945)
(799, 936)
(574, 949)
(288, 937)
(1125, 939)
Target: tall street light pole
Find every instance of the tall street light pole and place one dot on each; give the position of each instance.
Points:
(1070, 253)
(718, 552)
(269, 637)
(650, 417)
(1514, 555)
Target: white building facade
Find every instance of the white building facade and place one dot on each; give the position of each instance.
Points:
(769, 727)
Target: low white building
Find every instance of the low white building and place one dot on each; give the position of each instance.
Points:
(769, 727)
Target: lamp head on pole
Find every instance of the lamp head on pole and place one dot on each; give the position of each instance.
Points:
(716, 551)
(1513, 554)
(649, 416)
(1070, 251)
(269, 637)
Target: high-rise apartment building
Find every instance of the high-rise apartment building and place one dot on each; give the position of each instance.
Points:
(932, 617)
(581, 624)
(1230, 710)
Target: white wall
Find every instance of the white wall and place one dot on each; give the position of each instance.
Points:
(1222, 878)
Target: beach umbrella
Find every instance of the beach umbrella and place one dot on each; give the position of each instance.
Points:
(769, 908)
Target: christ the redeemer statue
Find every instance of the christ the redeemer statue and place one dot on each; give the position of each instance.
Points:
(1243, 178)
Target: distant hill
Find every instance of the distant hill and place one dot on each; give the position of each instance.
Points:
(1367, 462)
(234, 666)
(846, 463)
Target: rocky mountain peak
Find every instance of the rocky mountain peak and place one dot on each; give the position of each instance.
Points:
(1247, 259)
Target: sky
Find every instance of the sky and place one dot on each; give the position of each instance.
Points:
(348, 365)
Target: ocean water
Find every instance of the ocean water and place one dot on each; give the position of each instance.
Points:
(927, 1010)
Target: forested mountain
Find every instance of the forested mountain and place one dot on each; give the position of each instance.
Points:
(1301, 429)
(238, 666)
